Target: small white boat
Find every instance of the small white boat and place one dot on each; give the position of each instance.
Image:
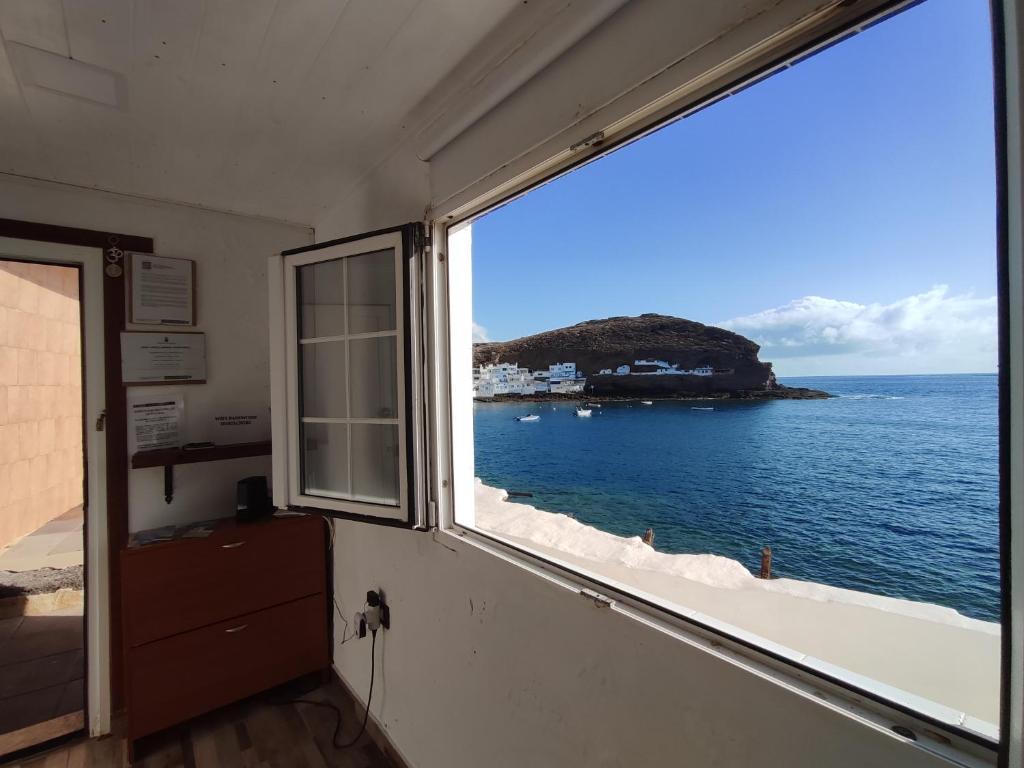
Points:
(528, 417)
(647, 402)
(593, 405)
(701, 408)
(583, 411)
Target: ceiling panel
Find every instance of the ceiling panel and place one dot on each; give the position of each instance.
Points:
(21, 150)
(39, 23)
(100, 32)
(264, 107)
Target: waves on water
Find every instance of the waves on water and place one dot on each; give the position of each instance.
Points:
(891, 487)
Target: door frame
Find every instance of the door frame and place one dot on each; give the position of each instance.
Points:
(107, 511)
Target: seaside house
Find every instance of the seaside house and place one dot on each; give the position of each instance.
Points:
(502, 379)
(266, 207)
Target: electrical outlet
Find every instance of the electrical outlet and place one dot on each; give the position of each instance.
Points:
(378, 614)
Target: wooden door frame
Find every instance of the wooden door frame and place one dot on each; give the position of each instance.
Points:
(114, 245)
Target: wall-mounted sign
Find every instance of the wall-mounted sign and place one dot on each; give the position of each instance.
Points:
(154, 422)
(162, 290)
(241, 425)
(163, 358)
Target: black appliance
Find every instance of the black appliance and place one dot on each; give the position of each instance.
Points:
(253, 499)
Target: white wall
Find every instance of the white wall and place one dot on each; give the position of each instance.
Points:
(231, 292)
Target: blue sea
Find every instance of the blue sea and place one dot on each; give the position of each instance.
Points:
(890, 487)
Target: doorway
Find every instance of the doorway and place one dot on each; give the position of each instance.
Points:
(43, 496)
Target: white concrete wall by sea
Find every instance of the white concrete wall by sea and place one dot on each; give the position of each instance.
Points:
(568, 386)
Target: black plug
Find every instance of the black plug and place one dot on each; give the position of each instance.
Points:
(375, 600)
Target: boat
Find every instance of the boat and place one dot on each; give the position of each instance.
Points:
(528, 417)
(647, 402)
(701, 408)
(593, 405)
(580, 411)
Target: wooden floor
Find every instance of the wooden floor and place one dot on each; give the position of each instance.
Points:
(256, 733)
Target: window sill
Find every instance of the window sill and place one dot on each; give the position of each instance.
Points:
(961, 739)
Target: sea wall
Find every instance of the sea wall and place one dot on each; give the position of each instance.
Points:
(925, 654)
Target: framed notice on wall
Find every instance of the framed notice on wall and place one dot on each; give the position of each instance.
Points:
(163, 358)
(161, 290)
(154, 422)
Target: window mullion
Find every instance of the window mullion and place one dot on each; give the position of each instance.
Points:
(348, 376)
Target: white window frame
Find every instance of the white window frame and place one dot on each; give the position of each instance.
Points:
(284, 343)
(870, 701)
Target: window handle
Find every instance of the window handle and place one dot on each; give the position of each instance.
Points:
(232, 545)
(232, 630)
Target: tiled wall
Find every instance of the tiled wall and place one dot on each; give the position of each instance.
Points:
(41, 461)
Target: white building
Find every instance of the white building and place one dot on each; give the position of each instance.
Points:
(502, 379)
(663, 368)
(567, 386)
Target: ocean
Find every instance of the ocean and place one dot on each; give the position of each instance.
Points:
(891, 487)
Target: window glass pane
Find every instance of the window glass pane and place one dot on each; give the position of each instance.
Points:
(325, 459)
(322, 299)
(375, 463)
(324, 384)
(371, 292)
(374, 378)
(795, 431)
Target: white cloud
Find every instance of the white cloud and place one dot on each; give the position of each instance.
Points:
(931, 332)
(479, 333)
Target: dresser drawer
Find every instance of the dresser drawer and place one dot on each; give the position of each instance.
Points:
(189, 583)
(183, 676)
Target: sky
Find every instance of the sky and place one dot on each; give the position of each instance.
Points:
(840, 213)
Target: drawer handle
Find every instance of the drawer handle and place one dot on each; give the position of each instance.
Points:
(232, 630)
(232, 545)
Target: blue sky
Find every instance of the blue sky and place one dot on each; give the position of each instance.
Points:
(840, 213)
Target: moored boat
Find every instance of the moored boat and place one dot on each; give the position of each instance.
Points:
(528, 417)
(580, 411)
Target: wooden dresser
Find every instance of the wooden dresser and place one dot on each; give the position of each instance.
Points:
(208, 621)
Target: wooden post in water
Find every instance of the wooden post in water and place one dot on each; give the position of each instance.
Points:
(766, 562)
(648, 537)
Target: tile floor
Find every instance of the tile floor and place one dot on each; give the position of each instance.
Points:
(42, 667)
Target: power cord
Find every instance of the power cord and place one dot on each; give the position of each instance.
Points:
(369, 697)
(344, 639)
(334, 707)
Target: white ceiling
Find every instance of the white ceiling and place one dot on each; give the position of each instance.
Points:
(263, 107)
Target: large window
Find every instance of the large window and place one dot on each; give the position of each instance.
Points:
(744, 368)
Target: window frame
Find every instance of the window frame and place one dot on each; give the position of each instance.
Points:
(868, 698)
(407, 242)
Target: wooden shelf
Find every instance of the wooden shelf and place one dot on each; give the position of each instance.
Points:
(169, 457)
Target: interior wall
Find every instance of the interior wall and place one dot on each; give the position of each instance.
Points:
(231, 303)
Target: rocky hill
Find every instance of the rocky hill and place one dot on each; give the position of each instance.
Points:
(595, 345)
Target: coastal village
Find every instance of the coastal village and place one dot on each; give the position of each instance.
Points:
(509, 379)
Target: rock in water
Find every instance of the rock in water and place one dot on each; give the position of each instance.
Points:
(597, 345)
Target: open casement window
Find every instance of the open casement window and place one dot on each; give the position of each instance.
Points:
(343, 372)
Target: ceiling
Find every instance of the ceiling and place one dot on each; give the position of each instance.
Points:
(262, 107)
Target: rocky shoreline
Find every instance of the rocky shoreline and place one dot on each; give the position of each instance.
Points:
(778, 393)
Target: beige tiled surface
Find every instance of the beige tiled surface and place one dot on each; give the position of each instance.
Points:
(42, 666)
(40, 396)
(57, 544)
